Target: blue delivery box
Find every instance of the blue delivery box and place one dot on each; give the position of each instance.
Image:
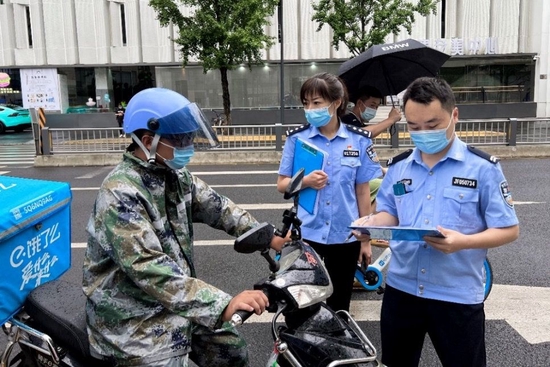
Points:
(35, 237)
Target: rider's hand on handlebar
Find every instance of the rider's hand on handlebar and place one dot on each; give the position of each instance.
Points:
(253, 301)
(277, 242)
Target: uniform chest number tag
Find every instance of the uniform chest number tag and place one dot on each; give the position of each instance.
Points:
(351, 153)
(465, 182)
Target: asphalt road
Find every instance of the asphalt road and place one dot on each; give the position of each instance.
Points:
(518, 326)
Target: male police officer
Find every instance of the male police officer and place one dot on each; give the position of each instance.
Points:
(435, 286)
(366, 103)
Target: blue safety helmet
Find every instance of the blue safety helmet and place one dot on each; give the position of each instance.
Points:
(170, 115)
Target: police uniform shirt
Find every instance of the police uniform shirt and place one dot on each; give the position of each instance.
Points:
(462, 192)
(351, 119)
(351, 161)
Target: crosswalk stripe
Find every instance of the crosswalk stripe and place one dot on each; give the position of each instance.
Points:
(19, 154)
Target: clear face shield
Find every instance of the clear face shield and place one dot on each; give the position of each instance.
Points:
(185, 127)
(182, 128)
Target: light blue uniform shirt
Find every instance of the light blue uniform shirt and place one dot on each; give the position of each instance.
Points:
(337, 207)
(462, 192)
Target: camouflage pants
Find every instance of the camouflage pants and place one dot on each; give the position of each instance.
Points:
(221, 348)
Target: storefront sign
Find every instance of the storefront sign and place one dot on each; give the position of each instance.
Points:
(40, 88)
(4, 80)
(458, 46)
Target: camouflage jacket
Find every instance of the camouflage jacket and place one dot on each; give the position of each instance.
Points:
(142, 294)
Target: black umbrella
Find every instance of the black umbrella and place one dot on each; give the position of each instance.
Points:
(391, 67)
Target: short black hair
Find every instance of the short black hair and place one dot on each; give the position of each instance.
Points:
(425, 90)
(365, 93)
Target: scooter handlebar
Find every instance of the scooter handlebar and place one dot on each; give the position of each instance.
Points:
(240, 317)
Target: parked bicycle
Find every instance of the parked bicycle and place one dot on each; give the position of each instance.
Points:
(372, 278)
(219, 119)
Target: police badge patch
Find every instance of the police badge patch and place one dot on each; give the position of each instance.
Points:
(506, 194)
(371, 153)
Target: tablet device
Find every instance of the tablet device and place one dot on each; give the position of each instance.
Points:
(397, 233)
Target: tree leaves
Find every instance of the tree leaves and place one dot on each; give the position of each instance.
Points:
(221, 34)
(360, 24)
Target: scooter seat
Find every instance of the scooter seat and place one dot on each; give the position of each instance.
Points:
(58, 310)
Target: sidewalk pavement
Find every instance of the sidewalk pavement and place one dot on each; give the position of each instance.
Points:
(265, 156)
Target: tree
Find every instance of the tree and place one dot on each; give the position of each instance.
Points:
(360, 24)
(221, 34)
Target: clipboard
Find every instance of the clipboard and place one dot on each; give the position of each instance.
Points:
(310, 158)
(398, 233)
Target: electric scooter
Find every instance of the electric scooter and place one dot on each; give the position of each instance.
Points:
(312, 334)
(50, 329)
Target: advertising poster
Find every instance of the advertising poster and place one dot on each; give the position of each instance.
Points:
(40, 88)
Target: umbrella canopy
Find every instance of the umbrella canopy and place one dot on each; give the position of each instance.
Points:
(391, 67)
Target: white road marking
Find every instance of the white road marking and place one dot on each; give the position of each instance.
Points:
(528, 202)
(94, 173)
(4, 172)
(244, 185)
(84, 188)
(196, 243)
(526, 309)
(211, 173)
(212, 186)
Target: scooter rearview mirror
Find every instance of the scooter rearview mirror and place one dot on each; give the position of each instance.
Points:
(256, 239)
(295, 184)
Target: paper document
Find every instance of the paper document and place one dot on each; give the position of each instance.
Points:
(397, 233)
(310, 158)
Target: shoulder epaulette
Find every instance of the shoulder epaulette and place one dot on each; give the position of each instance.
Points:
(358, 130)
(484, 155)
(399, 157)
(297, 129)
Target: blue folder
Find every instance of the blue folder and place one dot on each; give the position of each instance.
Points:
(310, 158)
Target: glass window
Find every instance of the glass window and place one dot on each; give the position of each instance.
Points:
(489, 82)
(474, 80)
(257, 87)
(10, 92)
(128, 80)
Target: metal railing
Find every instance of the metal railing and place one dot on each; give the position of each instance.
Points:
(509, 132)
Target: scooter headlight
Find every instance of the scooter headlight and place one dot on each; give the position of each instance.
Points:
(307, 295)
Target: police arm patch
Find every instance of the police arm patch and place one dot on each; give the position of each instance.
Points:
(371, 153)
(506, 194)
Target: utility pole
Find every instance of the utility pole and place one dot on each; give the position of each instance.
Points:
(282, 66)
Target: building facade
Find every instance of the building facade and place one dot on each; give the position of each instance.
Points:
(104, 51)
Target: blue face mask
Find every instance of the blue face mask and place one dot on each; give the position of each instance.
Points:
(368, 114)
(182, 156)
(431, 141)
(318, 117)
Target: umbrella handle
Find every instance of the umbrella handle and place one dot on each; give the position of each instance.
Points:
(392, 101)
(388, 82)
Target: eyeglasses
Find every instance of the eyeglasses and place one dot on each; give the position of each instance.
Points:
(180, 140)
